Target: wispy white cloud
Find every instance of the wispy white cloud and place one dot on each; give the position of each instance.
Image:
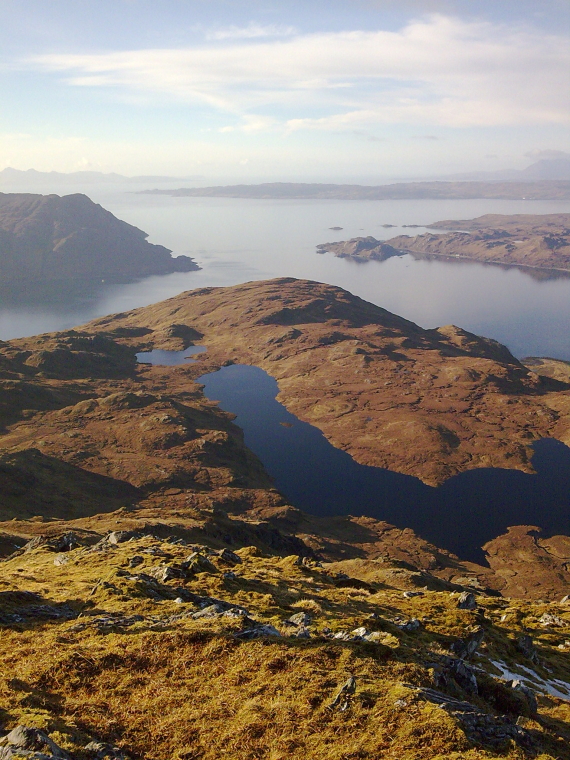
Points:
(435, 71)
(252, 31)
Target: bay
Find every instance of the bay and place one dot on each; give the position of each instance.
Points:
(239, 240)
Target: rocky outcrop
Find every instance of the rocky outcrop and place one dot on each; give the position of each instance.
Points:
(360, 249)
(48, 237)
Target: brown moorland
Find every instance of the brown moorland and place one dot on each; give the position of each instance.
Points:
(205, 617)
(428, 403)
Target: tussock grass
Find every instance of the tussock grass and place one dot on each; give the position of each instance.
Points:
(190, 690)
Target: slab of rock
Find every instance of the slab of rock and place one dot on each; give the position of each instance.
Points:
(30, 742)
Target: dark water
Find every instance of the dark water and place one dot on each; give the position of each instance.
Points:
(461, 515)
(169, 358)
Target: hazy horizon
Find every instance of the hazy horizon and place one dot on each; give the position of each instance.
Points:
(255, 91)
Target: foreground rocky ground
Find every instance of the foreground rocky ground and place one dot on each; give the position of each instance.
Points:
(148, 644)
(160, 599)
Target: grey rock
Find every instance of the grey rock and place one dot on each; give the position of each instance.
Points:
(411, 626)
(483, 729)
(466, 648)
(344, 695)
(565, 599)
(467, 601)
(375, 637)
(301, 619)
(230, 576)
(528, 694)
(32, 740)
(197, 563)
(229, 557)
(136, 560)
(164, 573)
(60, 559)
(258, 632)
(343, 636)
(236, 612)
(65, 543)
(102, 751)
(526, 647)
(450, 668)
(361, 632)
(411, 594)
(553, 621)
(213, 610)
(119, 536)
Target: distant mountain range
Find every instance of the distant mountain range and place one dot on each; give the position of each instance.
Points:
(546, 168)
(16, 175)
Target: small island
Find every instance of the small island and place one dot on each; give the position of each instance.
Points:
(360, 249)
(47, 238)
(533, 241)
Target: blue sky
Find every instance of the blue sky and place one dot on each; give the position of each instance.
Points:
(268, 89)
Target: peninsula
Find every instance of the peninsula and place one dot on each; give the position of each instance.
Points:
(530, 190)
(66, 238)
(536, 241)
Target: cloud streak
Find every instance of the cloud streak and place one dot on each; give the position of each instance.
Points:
(250, 32)
(439, 71)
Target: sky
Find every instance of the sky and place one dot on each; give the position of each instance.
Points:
(283, 89)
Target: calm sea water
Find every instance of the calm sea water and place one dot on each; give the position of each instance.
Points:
(237, 240)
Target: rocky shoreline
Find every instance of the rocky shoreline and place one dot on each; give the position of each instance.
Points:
(540, 242)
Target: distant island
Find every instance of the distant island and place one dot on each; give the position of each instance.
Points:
(538, 241)
(85, 177)
(65, 238)
(529, 190)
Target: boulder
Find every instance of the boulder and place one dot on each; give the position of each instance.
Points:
(30, 742)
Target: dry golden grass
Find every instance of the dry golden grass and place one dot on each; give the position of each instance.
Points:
(189, 690)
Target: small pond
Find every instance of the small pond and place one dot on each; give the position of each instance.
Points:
(461, 515)
(169, 358)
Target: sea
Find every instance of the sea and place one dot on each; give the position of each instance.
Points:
(239, 240)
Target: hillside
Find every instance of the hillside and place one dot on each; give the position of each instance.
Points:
(160, 599)
(48, 237)
(155, 643)
(428, 403)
